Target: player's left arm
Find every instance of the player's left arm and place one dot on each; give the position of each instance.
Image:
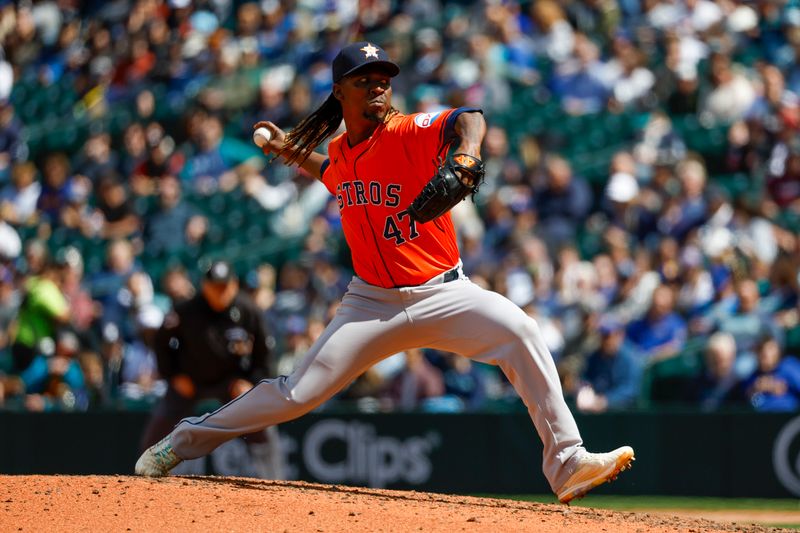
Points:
(457, 176)
(470, 129)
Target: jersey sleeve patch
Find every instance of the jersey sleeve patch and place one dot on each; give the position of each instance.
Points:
(425, 120)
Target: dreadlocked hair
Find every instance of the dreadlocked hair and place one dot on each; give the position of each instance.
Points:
(312, 130)
(315, 128)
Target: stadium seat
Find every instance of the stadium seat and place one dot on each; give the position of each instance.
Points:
(216, 204)
(793, 341)
(5, 361)
(662, 382)
(733, 184)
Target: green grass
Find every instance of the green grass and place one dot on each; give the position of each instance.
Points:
(654, 503)
(635, 503)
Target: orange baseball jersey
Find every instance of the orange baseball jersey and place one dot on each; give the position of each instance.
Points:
(375, 181)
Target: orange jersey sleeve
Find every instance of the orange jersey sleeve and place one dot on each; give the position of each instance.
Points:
(375, 181)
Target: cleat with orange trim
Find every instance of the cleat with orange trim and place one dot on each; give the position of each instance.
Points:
(593, 469)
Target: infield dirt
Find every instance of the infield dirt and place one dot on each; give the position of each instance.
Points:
(209, 504)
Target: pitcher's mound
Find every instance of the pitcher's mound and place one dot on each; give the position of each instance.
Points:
(206, 504)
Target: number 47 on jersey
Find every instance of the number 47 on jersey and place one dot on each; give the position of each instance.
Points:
(394, 223)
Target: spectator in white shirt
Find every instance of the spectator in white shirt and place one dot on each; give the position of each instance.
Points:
(18, 199)
(733, 93)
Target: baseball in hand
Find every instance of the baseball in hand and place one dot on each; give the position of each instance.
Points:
(261, 136)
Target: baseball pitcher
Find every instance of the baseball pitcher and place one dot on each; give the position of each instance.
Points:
(395, 180)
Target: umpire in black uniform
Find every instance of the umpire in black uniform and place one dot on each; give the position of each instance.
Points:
(213, 346)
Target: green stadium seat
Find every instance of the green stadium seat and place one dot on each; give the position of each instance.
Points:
(216, 204)
(535, 124)
(119, 120)
(254, 232)
(70, 134)
(94, 254)
(793, 341)
(662, 382)
(27, 233)
(789, 220)
(733, 184)
(19, 94)
(612, 124)
(59, 238)
(6, 362)
(143, 205)
(216, 232)
(234, 221)
(29, 110)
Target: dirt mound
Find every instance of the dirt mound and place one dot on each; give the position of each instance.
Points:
(123, 503)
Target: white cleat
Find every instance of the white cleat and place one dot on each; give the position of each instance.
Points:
(593, 469)
(157, 460)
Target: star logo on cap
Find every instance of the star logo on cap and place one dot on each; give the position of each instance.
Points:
(370, 51)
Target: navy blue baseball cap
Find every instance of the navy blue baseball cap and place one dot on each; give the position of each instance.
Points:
(358, 55)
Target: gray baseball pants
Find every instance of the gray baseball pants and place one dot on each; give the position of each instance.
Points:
(373, 323)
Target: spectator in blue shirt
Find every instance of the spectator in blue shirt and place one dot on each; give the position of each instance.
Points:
(688, 210)
(578, 82)
(207, 169)
(562, 204)
(12, 142)
(55, 188)
(775, 385)
(464, 380)
(613, 373)
(109, 287)
(56, 381)
(174, 224)
(661, 333)
(464, 384)
(748, 324)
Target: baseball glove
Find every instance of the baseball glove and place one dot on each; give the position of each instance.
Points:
(458, 176)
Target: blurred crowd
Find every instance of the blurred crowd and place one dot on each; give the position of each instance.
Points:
(642, 198)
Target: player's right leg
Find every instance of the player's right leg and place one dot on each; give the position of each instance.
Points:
(484, 325)
(370, 325)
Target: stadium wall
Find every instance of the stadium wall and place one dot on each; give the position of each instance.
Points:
(724, 455)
